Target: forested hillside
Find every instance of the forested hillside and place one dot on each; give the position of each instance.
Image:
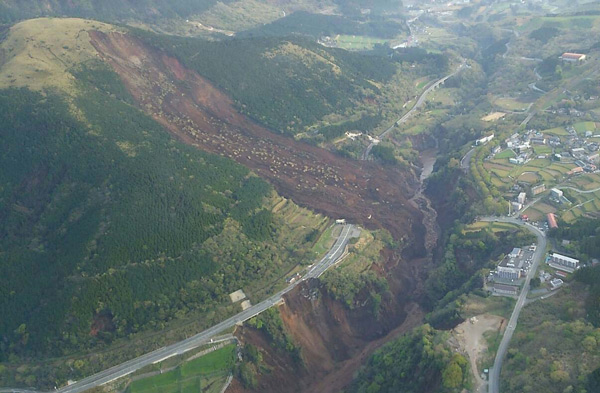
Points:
(421, 361)
(294, 85)
(14, 10)
(287, 84)
(110, 227)
(317, 25)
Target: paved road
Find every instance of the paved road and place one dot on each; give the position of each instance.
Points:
(133, 365)
(412, 110)
(465, 162)
(538, 256)
(577, 189)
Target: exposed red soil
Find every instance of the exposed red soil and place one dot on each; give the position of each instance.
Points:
(335, 341)
(199, 114)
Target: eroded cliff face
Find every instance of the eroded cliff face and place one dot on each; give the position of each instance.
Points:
(335, 340)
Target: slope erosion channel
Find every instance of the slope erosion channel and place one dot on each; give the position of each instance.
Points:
(335, 340)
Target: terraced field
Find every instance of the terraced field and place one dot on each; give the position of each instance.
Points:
(205, 374)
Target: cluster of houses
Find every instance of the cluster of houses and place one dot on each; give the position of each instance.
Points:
(581, 151)
(514, 266)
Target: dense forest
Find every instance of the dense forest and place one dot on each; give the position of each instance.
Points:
(584, 235)
(421, 361)
(318, 25)
(555, 347)
(110, 227)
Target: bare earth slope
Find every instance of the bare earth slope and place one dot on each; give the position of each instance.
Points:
(199, 114)
(334, 340)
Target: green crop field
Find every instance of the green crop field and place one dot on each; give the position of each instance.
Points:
(542, 149)
(326, 240)
(577, 22)
(529, 177)
(493, 226)
(357, 42)
(191, 377)
(506, 154)
(584, 126)
(510, 104)
(557, 131)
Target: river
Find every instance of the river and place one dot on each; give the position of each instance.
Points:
(428, 158)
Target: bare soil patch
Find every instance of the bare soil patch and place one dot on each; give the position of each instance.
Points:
(469, 335)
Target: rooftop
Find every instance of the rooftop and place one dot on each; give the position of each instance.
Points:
(574, 56)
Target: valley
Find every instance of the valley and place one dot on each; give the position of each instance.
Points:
(298, 196)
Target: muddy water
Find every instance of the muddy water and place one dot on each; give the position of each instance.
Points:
(427, 158)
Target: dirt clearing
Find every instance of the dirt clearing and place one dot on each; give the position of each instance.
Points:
(469, 335)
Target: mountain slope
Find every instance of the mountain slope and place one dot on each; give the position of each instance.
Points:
(289, 84)
(111, 228)
(201, 115)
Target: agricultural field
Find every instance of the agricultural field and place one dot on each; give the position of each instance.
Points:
(511, 104)
(353, 42)
(493, 226)
(568, 22)
(421, 83)
(508, 153)
(534, 214)
(493, 116)
(206, 374)
(444, 97)
(585, 182)
(437, 36)
(542, 149)
(581, 204)
(557, 131)
(584, 126)
(539, 169)
(529, 177)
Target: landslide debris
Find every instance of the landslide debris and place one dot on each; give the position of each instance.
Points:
(199, 114)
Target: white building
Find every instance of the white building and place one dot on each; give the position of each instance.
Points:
(511, 273)
(555, 283)
(521, 198)
(484, 140)
(556, 193)
(563, 260)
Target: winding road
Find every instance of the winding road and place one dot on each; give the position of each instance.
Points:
(121, 370)
(411, 111)
(578, 190)
(538, 256)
